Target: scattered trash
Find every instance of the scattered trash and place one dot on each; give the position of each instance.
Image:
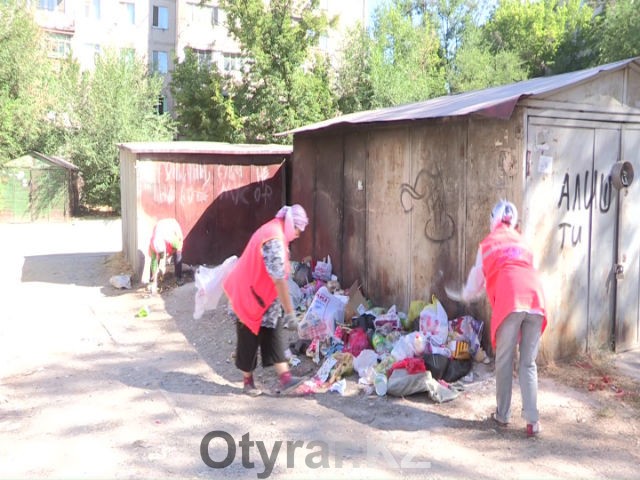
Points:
(380, 384)
(121, 281)
(340, 387)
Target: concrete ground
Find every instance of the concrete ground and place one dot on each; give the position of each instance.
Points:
(90, 390)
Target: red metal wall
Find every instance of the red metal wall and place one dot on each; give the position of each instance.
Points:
(218, 205)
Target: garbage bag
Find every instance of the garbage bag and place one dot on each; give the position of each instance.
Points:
(401, 383)
(436, 364)
(209, 285)
(434, 322)
(456, 369)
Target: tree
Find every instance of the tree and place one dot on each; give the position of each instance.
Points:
(115, 103)
(450, 18)
(539, 30)
(617, 31)
(353, 77)
(399, 63)
(476, 67)
(406, 63)
(25, 78)
(203, 109)
(280, 78)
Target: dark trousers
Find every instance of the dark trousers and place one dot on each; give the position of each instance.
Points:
(177, 263)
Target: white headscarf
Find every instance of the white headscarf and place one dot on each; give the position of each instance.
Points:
(294, 217)
(504, 212)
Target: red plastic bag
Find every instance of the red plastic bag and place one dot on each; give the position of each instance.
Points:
(411, 365)
(357, 342)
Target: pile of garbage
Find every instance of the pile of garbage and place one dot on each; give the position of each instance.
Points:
(392, 352)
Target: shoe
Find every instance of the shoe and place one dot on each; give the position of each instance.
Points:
(495, 418)
(251, 390)
(291, 385)
(533, 429)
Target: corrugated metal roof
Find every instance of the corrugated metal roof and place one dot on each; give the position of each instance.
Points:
(207, 148)
(497, 102)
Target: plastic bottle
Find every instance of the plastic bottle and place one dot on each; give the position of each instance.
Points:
(380, 384)
(378, 342)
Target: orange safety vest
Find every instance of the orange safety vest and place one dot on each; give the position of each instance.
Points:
(512, 282)
(249, 287)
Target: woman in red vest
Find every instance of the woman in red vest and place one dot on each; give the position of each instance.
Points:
(504, 268)
(166, 240)
(258, 291)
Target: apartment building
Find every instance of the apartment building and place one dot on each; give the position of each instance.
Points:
(159, 30)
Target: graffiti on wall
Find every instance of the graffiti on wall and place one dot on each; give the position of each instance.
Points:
(234, 182)
(428, 187)
(194, 179)
(586, 192)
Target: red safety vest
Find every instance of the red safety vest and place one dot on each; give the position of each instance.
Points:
(512, 282)
(249, 287)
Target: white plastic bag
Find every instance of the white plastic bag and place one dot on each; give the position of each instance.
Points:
(390, 319)
(121, 281)
(366, 359)
(408, 346)
(325, 312)
(209, 285)
(434, 322)
(322, 270)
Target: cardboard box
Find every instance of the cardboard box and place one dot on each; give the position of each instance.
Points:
(355, 300)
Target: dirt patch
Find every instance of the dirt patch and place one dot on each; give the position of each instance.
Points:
(598, 377)
(98, 392)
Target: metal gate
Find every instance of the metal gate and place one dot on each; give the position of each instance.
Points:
(577, 223)
(628, 255)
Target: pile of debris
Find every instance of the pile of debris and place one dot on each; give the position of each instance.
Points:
(392, 352)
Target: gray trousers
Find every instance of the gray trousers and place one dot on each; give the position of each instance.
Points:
(523, 329)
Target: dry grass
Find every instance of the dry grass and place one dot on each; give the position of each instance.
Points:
(598, 375)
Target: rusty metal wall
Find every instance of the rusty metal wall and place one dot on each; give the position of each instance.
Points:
(415, 203)
(416, 199)
(388, 229)
(328, 209)
(303, 191)
(434, 200)
(354, 227)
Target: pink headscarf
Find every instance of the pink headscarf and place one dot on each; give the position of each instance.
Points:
(294, 217)
(503, 212)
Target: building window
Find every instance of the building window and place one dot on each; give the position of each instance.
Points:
(204, 56)
(231, 62)
(92, 52)
(59, 45)
(161, 17)
(160, 61)
(161, 106)
(215, 16)
(129, 12)
(92, 9)
(51, 5)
